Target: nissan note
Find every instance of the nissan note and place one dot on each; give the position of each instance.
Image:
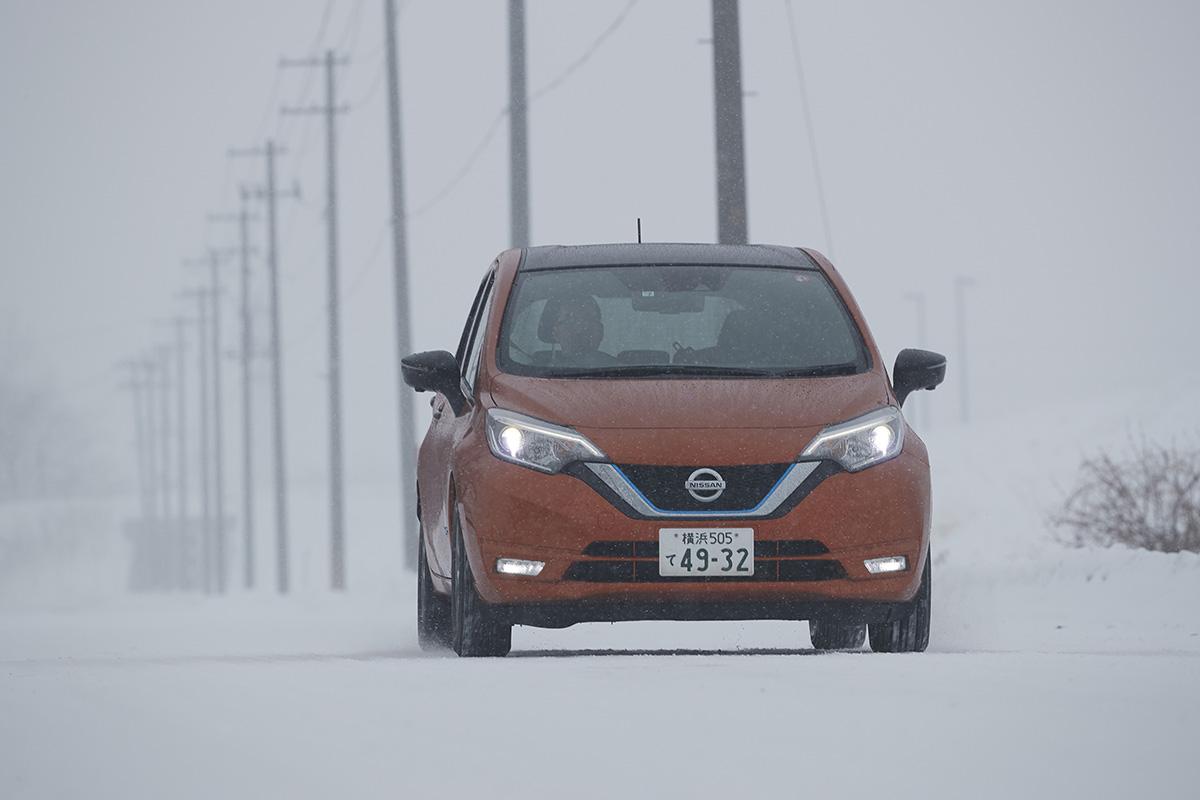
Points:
(670, 432)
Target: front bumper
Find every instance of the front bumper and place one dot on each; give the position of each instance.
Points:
(565, 614)
(511, 512)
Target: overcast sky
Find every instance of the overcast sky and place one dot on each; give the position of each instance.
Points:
(1046, 149)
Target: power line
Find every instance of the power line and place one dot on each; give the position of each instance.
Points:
(269, 112)
(326, 16)
(352, 28)
(495, 125)
(374, 87)
(464, 170)
(808, 125)
(587, 54)
(356, 282)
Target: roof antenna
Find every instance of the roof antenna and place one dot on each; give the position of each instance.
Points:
(639, 219)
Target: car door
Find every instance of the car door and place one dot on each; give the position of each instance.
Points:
(445, 430)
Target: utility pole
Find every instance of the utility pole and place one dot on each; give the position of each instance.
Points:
(337, 511)
(218, 417)
(918, 301)
(162, 366)
(183, 565)
(731, 150)
(247, 353)
(242, 218)
(271, 195)
(215, 294)
(518, 119)
(136, 388)
(206, 530)
(150, 400)
(166, 539)
(141, 530)
(408, 442)
(152, 533)
(961, 284)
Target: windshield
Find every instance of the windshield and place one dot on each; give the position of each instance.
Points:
(655, 321)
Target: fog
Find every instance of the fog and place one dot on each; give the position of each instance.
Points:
(1043, 152)
(1046, 151)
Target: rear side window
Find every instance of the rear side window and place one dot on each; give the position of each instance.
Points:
(649, 320)
(478, 335)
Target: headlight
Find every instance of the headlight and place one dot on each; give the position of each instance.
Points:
(861, 442)
(535, 444)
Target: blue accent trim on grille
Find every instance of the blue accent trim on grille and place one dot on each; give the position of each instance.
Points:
(708, 512)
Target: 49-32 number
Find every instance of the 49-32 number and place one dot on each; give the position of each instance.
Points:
(724, 560)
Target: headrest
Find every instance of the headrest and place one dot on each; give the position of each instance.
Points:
(569, 304)
(737, 329)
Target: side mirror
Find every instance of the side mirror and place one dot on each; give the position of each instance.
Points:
(435, 371)
(917, 369)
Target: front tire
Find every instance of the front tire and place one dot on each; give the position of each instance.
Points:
(433, 609)
(476, 630)
(909, 634)
(836, 636)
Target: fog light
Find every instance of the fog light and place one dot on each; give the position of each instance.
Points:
(516, 566)
(878, 566)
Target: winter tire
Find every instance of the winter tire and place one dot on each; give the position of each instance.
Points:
(911, 633)
(836, 636)
(433, 609)
(476, 630)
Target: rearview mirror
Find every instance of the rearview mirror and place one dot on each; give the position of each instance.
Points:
(917, 369)
(435, 371)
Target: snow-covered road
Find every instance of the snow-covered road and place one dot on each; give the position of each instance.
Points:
(1053, 672)
(324, 698)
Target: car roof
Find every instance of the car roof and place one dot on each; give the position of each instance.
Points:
(604, 255)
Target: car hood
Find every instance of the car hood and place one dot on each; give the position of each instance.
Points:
(706, 404)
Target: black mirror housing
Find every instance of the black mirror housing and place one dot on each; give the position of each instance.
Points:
(435, 371)
(917, 369)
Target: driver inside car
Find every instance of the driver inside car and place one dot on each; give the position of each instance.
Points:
(573, 324)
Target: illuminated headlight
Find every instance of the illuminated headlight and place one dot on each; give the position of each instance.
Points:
(861, 442)
(536, 444)
(517, 566)
(878, 566)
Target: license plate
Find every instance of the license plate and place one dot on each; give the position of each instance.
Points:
(706, 552)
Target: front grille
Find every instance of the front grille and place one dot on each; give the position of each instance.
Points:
(637, 562)
(745, 486)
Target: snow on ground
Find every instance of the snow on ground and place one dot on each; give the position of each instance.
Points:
(1052, 672)
(255, 699)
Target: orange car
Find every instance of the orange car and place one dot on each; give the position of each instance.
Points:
(670, 432)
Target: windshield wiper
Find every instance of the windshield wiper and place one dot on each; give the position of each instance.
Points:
(825, 370)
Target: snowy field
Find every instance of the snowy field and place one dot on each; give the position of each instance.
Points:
(256, 699)
(1052, 672)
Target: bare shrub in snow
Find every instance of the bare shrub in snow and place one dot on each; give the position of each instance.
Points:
(1149, 500)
